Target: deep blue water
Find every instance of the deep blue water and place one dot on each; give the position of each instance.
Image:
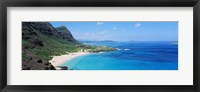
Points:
(129, 56)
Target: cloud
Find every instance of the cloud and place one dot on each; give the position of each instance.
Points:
(75, 33)
(102, 33)
(114, 28)
(94, 36)
(137, 25)
(100, 23)
(89, 34)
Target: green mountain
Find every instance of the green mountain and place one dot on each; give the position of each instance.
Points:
(65, 34)
(41, 41)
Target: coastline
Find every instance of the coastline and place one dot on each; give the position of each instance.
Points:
(59, 60)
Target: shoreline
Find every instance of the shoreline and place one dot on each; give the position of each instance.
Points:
(57, 61)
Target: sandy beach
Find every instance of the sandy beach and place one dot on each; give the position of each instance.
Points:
(59, 60)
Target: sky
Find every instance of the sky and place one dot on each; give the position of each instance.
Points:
(122, 31)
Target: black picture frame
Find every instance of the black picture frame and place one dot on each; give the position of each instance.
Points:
(98, 3)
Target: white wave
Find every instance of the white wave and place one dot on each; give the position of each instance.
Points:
(126, 49)
(101, 52)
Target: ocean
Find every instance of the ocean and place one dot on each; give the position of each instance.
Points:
(144, 55)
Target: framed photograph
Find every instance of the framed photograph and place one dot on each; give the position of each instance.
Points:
(85, 45)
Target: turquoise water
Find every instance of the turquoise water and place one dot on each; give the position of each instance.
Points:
(129, 56)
